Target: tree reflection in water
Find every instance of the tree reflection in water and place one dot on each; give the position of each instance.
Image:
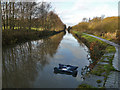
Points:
(22, 63)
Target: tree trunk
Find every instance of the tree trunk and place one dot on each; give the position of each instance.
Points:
(13, 15)
(10, 16)
(6, 15)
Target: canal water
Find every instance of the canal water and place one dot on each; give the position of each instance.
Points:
(31, 65)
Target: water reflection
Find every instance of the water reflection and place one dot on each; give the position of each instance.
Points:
(86, 69)
(31, 64)
(22, 63)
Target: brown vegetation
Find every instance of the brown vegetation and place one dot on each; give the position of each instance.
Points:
(104, 27)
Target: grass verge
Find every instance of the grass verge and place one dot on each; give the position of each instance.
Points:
(99, 69)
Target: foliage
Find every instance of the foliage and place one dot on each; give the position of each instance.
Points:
(107, 28)
(22, 21)
(110, 49)
(29, 14)
(55, 22)
(81, 26)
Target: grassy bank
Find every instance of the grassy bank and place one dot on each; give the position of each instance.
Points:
(100, 52)
(10, 37)
(96, 47)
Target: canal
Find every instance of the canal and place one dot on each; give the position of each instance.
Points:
(31, 64)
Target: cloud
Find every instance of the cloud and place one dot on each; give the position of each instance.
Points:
(90, 8)
(71, 12)
(56, 0)
(84, 1)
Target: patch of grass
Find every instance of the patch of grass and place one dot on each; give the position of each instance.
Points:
(98, 70)
(110, 49)
(76, 32)
(89, 38)
(85, 86)
(108, 68)
(110, 58)
(92, 39)
(98, 81)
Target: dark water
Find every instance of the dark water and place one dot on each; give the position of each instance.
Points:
(30, 65)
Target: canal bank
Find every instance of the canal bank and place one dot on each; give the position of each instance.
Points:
(13, 37)
(104, 74)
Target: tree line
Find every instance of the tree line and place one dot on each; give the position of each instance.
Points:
(27, 15)
(106, 27)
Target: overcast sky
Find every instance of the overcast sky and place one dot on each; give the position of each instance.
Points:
(72, 12)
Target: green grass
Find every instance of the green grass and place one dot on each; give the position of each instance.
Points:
(104, 70)
(89, 38)
(85, 86)
(98, 70)
(110, 49)
(92, 39)
(76, 32)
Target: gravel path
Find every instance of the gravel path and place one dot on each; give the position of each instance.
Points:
(116, 60)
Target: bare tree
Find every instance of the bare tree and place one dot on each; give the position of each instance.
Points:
(6, 15)
(3, 14)
(13, 12)
(10, 16)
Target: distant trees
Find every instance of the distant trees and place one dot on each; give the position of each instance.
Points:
(84, 20)
(55, 22)
(25, 15)
(98, 24)
(105, 27)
